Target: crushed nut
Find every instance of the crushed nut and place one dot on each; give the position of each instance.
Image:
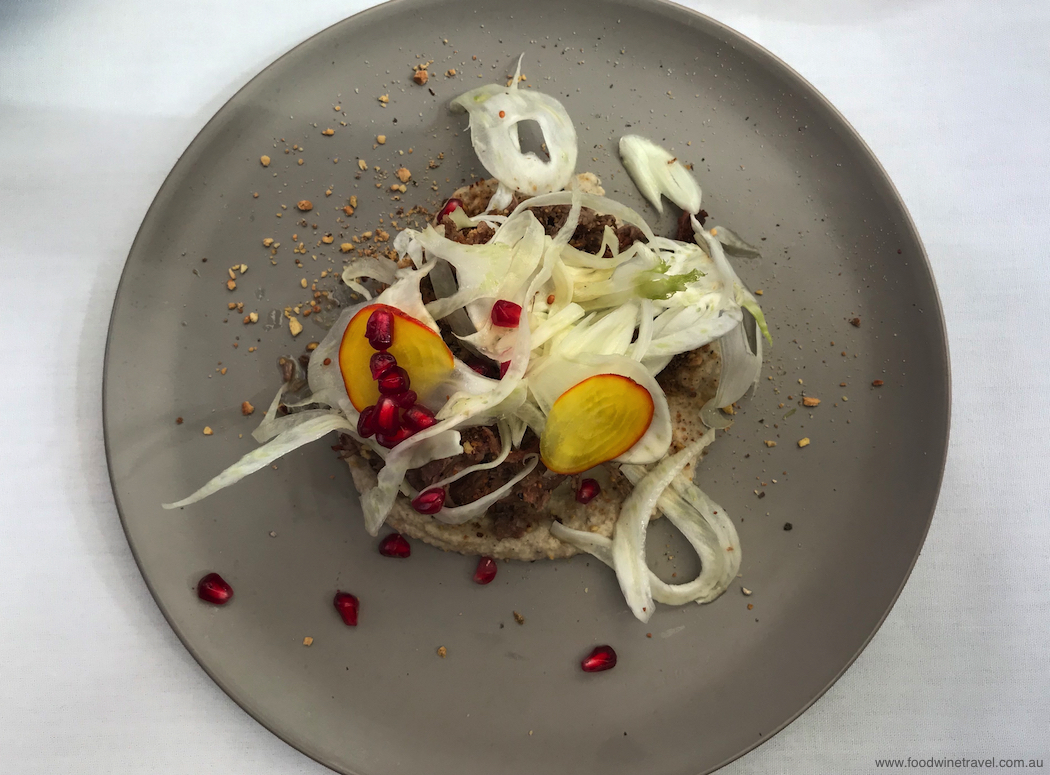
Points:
(810, 401)
(804, 442)
(362, 164)
(384, 98)
(518, 618)
(769, 443)
(312, 346)
(855, 322)
(253, 317)
(305, 205)
(746, 591)
(231, 285)
(877, 383)
(348, 210)
(381, 139)
(346, 247)
(267, 242)
(450, 73)
(328, 132)
(208, 431)
(179, 421)
(308, 641)
(403, 174)
(420, 77)
(246, 408)
(264, 160)
(295, 326)
(442, 652)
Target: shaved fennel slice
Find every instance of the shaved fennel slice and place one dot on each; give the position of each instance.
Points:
(646, 313)
(740, 369)
(719, 556)
(376, 269)
(559, 321)
(457, 515)
(656, 172)
(464, 221)
(265, 431)
(495, 112)
(734, 245)
(261, 457)
(505, 441)
(628, 544)
(715, 516)
(530, 414)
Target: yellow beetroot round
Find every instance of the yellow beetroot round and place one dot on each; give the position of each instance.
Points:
(595, 420)
(418, 349)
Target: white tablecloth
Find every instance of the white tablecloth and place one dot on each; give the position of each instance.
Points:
(98, 99)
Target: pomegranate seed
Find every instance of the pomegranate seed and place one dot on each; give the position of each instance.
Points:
(394, 381)
(366, 422)
(484, 368)
(347, 605)
(406, 399)
(602, 658)
(395, 545)
(418, 417)
(379, 330)
(214, 589)
(588, 491)
(386, 419)
(392, 440)
(486, 571)
(448, 208)
(506, 314)
(380, 363)
(429, 501)
(503, 368)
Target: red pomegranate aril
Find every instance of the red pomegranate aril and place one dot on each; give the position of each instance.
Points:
(394, 382)
(379, 330)
(392, 440)
(347, 605)
(429, 501)
(418, 417)
(366, 422)
(588, 491)
(484, 368)
(504, 367)
(395, 545)
(506, 314)
(380, 363)
(448, 208)
(406, 399)
(386, 419)
(214, 589)
(486, 571)
(602, 658)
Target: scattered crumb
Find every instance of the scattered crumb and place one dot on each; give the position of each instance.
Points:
(308, 641)
(384, 98)
(648, 635)
(420, 77)
(328, 239)
(312, 346)
(403, 174)
(746, 591)
(769, 443)
(519, 618)
(208, 431)
(253, 317)
(295, 326)
(855, 322)
(346, 247)
(328, 132)
(810, 401)
(247, 408)
(804, 442)
(267, 242)
(362, 164)
(264, 160)
(381, 139)
(300, 162)
(787, 525)
(750, 606)
(179, 421)
(877, 383)
(305, 205)
(231, 285)
(451, 73)
(759, 292)
(442, 652)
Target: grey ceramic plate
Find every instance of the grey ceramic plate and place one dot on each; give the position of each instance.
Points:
(777, 163)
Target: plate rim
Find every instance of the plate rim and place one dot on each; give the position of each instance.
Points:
(737, 40)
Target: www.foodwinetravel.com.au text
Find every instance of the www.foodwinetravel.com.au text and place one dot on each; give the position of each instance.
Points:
(958, 763)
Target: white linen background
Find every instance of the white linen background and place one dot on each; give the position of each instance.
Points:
(98, 99)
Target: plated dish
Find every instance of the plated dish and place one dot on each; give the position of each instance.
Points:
(828, 543)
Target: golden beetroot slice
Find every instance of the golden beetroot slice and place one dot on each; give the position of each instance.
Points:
(595, 420)
(417, 349)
